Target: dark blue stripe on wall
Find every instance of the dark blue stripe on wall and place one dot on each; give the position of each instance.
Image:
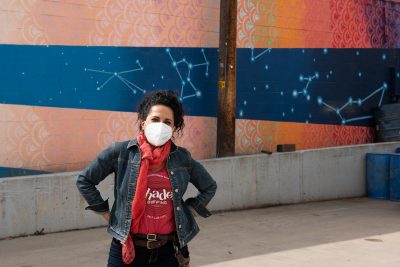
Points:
(329, 86)
(10, 172)
(107, 78)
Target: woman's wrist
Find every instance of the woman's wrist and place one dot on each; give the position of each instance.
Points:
(106, 215)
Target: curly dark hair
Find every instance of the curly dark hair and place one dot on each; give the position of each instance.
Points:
(167, 98)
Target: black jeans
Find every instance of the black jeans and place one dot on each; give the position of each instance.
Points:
(158, 257)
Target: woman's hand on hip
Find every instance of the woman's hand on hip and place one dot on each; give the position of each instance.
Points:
(106, 216)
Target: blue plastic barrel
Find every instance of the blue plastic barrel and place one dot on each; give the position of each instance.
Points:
(378, 170)
(395, 177)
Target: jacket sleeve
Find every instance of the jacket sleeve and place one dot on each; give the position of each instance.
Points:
(206, 186)
(92, 175)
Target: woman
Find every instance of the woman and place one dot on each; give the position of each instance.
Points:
(149, 221)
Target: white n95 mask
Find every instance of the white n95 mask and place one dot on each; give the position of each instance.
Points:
(158, 133)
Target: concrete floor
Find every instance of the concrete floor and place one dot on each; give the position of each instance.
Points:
(353, 232)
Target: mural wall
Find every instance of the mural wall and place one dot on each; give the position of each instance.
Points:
(73, 72)
(357, 26)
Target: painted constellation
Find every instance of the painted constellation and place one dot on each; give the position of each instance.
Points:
(132, 86)
(187, 80)
(253, 57)
(305, 91)
(351, 101)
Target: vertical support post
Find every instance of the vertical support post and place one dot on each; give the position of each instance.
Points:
(226, 114)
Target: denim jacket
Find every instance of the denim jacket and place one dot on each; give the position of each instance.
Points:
(123, 159)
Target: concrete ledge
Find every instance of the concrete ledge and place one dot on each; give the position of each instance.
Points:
(51, 202)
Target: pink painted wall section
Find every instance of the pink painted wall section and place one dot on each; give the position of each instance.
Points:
(177, 23)
(57, 139)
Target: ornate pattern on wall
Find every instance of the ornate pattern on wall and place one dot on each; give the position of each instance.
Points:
(157, 23)
(348, 25)
(248, 15)
(199, 136)
(113, 23)
(316, 136)
(364, 24)
(392, 14)
(173, 23)
(48, 139)
(57, 139)
(23, 137)
(317, 24)
(254, 136)
(120, 126)
(21, 25)
(256, 24)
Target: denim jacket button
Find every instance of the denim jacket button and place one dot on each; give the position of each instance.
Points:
(176, 190)
(179, 226)
(178, 208)
(172, 173)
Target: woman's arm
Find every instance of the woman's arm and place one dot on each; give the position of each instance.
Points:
(92, 175)
(206, 185)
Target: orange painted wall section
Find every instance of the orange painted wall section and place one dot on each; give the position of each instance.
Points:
(318, 23)
(285, 24)
(253, 136)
